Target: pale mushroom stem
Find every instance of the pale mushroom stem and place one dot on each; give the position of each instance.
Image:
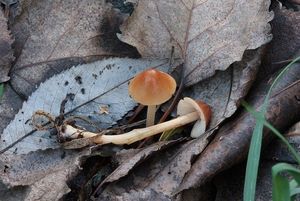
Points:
(132, 136)
(150, 115)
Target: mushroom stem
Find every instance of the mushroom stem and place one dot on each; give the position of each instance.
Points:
(132, 136)
(150, 115)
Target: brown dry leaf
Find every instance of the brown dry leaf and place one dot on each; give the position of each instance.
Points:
(51, 36)
(224, 90)
(6, 53)
(145, 195)
(286, 40)
(131, 158)
(10, 103)
(294, 130)
(162, 172)
(46, 178)
(206, 35)
(231, 144)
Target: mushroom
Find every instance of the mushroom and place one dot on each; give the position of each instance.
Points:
(188, 105)
(152, 87)
(188, 110)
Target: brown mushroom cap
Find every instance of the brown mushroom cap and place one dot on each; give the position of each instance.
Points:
(188, 105)
(152, 87)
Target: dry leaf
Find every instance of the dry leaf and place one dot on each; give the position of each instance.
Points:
(162, 172)
(135, 195)
(294, 130)
(135, 158)
(10, 103)
(286, 40)
(6, 53)
(51, 36)
(224, 90)
(206, 35)
(46, 172)
(231, 144)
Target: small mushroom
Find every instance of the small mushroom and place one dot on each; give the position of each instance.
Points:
(152, 87)
(188, 110)
(188, 105)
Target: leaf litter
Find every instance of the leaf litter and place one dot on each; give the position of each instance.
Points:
(198, 32)
(46, 65)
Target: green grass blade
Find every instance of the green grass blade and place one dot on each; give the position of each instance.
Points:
(1, 90)
(256, 141)
(282, 189)
(274, 131)
(279, 76)
(252, 163)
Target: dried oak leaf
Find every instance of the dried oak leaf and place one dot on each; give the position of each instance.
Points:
(231, 144)
(6, 53)
(51, 36)
(206, 35)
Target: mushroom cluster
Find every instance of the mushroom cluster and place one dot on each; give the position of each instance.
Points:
(144, 89)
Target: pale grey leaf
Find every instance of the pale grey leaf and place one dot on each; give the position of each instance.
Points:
(91, 85)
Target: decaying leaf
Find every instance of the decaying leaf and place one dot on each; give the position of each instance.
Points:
(6, 53)
(136, 195)
(51, 36)
(104, 83)
(10, 103)
(294, 130)
(46, 172)
(135, 159)
(232, 141)
(286, 40)
(206, 35)
(162, 172)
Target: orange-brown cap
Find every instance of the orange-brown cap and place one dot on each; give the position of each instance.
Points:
(188, 105)
(152, 87)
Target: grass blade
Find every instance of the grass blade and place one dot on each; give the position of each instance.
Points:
(256, 141)
(282, 189)
(1, 90)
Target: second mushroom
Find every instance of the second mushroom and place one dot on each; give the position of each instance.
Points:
(188, 109)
